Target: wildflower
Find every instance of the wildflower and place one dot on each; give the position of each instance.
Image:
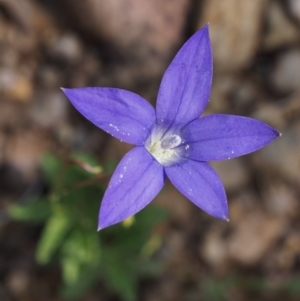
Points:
(173, 141)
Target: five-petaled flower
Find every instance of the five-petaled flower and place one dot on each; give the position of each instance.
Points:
(173, 141)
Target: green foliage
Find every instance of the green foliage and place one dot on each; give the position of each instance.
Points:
(38, 210)
(55, 230)
(51, 167)
(119, 255)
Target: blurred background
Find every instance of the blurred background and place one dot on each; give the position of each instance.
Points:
(54, 165)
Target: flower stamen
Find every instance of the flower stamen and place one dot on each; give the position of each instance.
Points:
(164, 148)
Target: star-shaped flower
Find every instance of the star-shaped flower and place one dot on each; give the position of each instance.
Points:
(173, 141)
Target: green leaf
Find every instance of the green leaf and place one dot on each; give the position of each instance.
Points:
(80, 262)
(53, 234)
(83, 246)
(71, 270)
(119, 274)
(82, 205)
(109, 166)
(51, 167)
(151, 216)
(37, 210)
(132, 239)
(121, 254)
(85, 279)
(292, 286)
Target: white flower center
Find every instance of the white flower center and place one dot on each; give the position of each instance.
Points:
(164, 147)
(170, 142)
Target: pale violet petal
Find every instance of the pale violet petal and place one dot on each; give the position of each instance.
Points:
(198, 182)
(220, 137)
(136, 181)
(123, 114)
(185, 87)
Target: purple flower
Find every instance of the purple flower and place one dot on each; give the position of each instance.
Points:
(173, 141)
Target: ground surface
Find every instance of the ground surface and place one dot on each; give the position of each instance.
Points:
(128, 44)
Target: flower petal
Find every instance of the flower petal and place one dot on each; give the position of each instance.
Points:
(220, 137)
(200, 184)
(185, 87)
(123, 114)
(134, 184)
